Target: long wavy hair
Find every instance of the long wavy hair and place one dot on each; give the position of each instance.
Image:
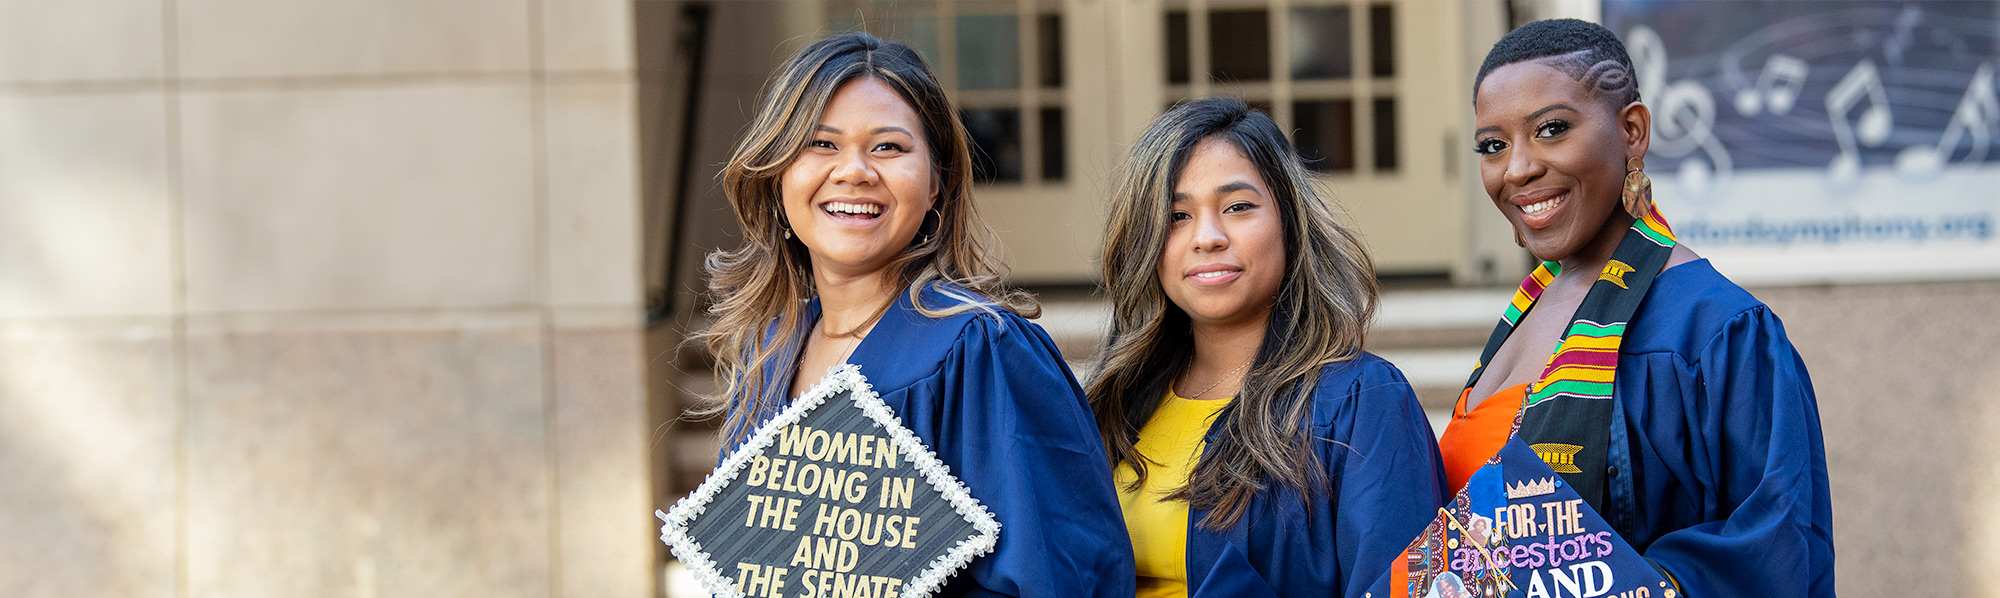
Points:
(759, 286)
(1323, 307)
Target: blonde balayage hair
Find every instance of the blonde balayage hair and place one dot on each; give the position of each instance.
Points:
(1321, 313)
(758, 287)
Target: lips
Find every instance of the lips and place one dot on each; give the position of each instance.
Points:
(1214, 274)
(1539, 208)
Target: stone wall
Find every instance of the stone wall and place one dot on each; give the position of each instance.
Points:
(320, 299)
(1908, 378)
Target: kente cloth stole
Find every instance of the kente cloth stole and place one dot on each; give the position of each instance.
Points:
(1567, 416)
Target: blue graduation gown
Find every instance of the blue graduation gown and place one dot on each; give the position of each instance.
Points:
(1720, 472)
(1387, 482)
(993, 398)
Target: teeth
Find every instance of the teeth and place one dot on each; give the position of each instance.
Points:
(1537, 208)
(838, 207)
(1214, 274)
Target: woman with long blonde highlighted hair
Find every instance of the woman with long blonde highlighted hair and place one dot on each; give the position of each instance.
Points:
(1259, 450)
(861, 248)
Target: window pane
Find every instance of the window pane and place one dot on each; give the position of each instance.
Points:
(1385, 134)
(1239, 45)
(1053, 157)
(1321, 47)
(1177, 47)
(1382, 40)
(918, 28)
(1049, 49)
(989, 52)
(996, 143)
(1325, 134)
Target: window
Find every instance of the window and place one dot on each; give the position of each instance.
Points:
(1001, 61)
(1319, 51)
(1323, 69)
(1382, 40)
(1323, 132)
(1239, 45)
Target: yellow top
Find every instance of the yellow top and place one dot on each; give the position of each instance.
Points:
(1171, 442)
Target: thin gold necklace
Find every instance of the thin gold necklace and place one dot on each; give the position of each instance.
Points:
(1225, 378)
(856, 331)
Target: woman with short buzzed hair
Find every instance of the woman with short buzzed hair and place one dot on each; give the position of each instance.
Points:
(1668, 397)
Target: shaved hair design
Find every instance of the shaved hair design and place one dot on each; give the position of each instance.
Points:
(1585, 51)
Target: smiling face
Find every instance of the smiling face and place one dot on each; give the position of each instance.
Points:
(857, 194)
(1552, 157)
(1225, 254)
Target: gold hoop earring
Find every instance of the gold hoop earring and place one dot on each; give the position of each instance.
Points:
(1638, 194)
(1520, 240)
(933, 221)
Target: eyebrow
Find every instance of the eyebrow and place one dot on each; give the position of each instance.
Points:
(1551, 108)
(877, 131)
(1530, 118)
(1225, 189)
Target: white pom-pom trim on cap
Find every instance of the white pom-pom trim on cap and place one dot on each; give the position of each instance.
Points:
(675, 522)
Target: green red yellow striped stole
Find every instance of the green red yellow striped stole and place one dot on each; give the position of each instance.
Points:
(1568, 411)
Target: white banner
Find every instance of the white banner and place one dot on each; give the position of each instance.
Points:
(1824, 141)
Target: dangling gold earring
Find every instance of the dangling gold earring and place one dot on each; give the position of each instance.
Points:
(1520, 240)
(1638, 193)
(778, 215)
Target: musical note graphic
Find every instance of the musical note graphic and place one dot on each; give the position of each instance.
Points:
(1977, 111)
(1778, 87)
(1683, 118)
(1649, 58)
(1906, 26)
(1871, 129)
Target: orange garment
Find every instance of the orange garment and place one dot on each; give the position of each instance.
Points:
(1472, 438)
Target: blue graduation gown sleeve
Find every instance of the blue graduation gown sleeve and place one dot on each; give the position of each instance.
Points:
(1026, 445)
(1731, 482)
(1386, 479)
(990, 394)
(1390, 477)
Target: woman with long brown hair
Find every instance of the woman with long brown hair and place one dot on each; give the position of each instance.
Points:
(1259, 450)
(1666, 396)
(861, 248)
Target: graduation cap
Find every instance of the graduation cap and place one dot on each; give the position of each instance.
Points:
(832, 496)
(1518, 531)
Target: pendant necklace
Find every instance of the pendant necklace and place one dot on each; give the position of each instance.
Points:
(1225, 378)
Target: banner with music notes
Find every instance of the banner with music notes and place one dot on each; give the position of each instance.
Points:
(1824, 141)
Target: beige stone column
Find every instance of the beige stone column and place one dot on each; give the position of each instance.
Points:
(320, 299)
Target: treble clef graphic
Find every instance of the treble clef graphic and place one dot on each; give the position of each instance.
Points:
(1683, 118)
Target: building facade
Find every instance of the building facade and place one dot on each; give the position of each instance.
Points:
(391, 298)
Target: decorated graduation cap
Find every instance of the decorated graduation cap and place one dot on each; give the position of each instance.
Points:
(1518, 530)
(833, 496)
